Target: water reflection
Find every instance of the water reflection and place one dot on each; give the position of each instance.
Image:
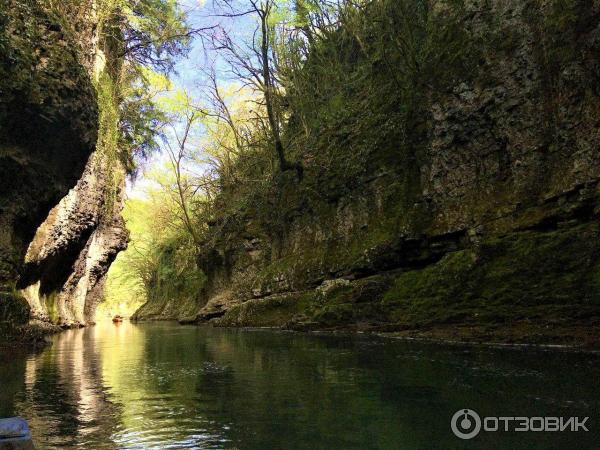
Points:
(166, 386)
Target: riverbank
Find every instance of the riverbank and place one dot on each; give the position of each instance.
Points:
(17, 326)
(35, 334)
(525, 334)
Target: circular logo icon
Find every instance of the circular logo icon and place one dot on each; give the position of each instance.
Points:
(466, 424)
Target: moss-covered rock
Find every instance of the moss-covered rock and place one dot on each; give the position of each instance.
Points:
(62, 170)
(14, 309)
(48, 121)
(548, 277)
(273, 311)
(542, 286)
(16, 325)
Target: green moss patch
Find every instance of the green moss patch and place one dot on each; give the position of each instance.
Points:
(273, 311)
(549, 277)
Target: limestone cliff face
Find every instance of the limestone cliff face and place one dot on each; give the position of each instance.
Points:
(526, 128)
(61, 198)
(48, 122)
(67, 261)
(495, 228)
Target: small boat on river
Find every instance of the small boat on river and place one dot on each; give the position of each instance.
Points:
(15, 434)
(117, 319)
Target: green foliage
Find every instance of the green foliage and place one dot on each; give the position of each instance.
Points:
(357, 82)
(140, 117)
(355, 90)
(136, 38)
(159, 264)
(524, 276)
(372, 74)
(156, 33)
(176, 273)
(125, 287)
(143, 39)
(112, 156)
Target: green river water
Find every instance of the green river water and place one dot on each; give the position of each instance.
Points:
(161, 385)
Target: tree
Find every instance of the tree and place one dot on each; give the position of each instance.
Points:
(178, 153)
(140, 119)
(143, 39)
(255, 64)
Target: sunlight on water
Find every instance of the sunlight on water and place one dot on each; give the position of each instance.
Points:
(166, 386)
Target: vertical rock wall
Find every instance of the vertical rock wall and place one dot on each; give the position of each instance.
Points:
(61, 198)
(48, 119)
(67, 261)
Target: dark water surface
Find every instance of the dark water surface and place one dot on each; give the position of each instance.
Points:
(161, 385)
